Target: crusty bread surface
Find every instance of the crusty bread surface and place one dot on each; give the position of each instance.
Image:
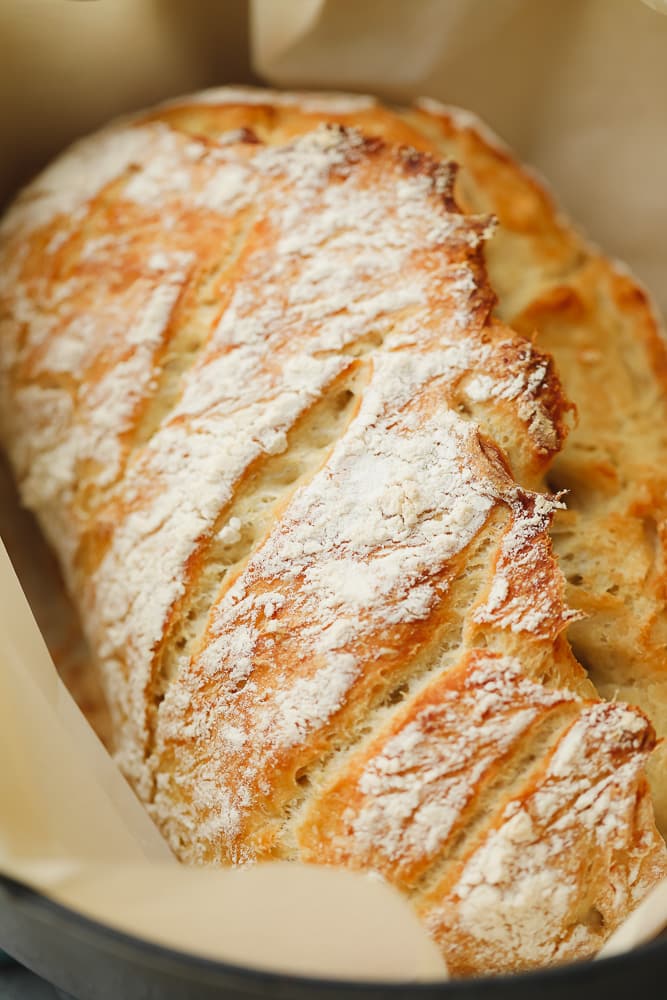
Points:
(258, 390)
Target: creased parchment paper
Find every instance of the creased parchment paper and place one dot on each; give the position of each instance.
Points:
(579, 88)
(72, 828)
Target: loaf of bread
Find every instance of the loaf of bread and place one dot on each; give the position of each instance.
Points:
(295, 469)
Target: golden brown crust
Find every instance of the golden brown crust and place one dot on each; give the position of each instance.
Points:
(558, 821)
(252, 386)
(378, 812)
(420, 783)
(602, 330)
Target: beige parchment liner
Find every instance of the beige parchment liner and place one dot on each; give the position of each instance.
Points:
(69, 825)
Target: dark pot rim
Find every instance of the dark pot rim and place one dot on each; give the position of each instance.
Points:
(309, 985)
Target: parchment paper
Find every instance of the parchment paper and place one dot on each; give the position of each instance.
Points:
(579, 88)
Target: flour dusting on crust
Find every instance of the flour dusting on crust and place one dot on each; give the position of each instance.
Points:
(254, 393)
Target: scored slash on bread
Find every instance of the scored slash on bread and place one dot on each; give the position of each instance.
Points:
(599, 324)
(508, 892)
(253, 389)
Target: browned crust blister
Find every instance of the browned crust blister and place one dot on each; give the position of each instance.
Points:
(254, 388)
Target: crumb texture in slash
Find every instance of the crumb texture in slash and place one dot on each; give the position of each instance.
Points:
(338, 588)
(397, 803)
(602, 329)
(562, 863)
